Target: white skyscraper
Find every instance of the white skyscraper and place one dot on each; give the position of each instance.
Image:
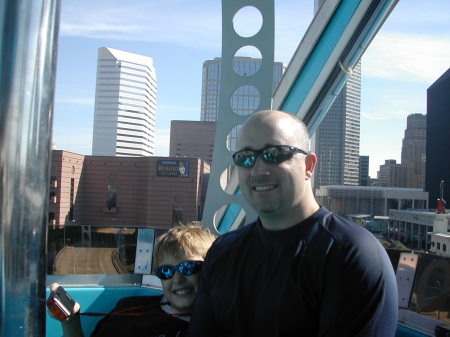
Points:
(125, 104)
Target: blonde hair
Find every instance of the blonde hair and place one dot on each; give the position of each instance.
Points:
(193, 240)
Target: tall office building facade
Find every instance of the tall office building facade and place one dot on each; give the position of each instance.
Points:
(364, 171)
(125, 104)
(413, 150)
(336, 140)
(438, 140)
(392, 174)
(192, 139)
(246, 98)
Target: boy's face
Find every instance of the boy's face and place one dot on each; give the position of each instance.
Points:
(180, 290)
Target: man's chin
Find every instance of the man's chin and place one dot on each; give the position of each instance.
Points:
(267, 211)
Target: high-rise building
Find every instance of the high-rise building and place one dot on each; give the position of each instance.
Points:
(192, 139)
(438, 139)
(244, 100)
(363, 170)
(336, 140)
(125, 104)
(413, 150)
(392, 174)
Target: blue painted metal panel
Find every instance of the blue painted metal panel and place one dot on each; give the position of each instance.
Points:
(230, 215)
(403, 331)
(319, 56)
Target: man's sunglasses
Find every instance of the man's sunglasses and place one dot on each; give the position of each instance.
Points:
(272, 154)
(185, 268)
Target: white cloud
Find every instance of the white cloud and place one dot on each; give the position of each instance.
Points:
(394, 106)
(407, 57)
(193, 25)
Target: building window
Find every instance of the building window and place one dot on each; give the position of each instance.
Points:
(51, 216)
(111, 196)
(444, 247)
(177, 215)
(72, 194)
(53, 182)
(438, 245)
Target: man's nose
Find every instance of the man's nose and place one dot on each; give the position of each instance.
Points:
(260, 167)
(178, 276)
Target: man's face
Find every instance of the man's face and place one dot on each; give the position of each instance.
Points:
(273, 190)
(180, 290)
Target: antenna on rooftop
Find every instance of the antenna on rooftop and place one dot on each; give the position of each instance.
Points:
(441, 202)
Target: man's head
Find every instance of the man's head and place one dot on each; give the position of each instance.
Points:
(278, 184)
(181, 247)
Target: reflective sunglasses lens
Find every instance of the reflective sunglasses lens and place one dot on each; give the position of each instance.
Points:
(244, 158)
(189, 267)
(185, 268)
(164, 272)
(277, 154)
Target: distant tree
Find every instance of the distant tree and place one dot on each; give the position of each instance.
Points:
(393, 244)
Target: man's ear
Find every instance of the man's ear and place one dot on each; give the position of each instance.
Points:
(310, 163)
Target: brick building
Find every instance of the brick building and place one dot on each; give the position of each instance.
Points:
(126, 191)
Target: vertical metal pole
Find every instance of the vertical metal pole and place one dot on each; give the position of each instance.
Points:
(28, 39)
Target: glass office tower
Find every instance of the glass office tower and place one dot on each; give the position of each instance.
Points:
(437, 172)
(336, 140)
(244, 101)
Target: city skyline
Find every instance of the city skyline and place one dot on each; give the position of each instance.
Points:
(409, 53)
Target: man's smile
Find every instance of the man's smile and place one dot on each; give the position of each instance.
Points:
(259, 188)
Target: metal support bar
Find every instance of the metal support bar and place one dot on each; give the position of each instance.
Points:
(218, 201)
(29, 31)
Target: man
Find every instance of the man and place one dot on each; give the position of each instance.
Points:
(299, 270)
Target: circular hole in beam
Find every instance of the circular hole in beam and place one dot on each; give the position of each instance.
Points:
(247, 61)
(245, 100)
(247, 21)
(227, 185)
(231, 141)
(229, 216)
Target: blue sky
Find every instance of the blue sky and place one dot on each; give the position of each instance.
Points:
(409, 53)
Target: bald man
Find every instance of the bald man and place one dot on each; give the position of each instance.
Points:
(299, 270)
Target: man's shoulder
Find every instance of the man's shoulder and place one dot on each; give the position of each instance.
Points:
(236, 234)
(342, 228)
(349, 235)
(228, 240)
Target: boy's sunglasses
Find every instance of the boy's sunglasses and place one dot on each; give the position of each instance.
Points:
(185, 268)
(272, 154)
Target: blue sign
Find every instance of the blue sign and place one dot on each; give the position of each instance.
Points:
(172, 168)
